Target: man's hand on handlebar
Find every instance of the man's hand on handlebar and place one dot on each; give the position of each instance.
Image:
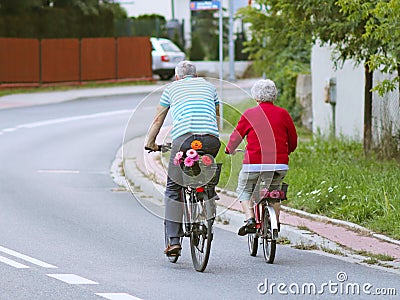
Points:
(152, 147)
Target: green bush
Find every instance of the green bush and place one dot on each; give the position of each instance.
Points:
(197, 50)
(56, 22)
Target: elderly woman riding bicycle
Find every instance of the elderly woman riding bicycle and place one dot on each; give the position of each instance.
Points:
(271, 137)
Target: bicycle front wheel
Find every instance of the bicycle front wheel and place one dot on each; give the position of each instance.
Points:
(252, 241)
(269, 243)
(203, 215)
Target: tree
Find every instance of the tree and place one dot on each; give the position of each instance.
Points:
(338, 23)
(196, 50)
(384, 28)
(205, 27)
(278, 51)
(149, 25)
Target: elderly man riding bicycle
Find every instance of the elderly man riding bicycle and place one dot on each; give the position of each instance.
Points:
(194, 109)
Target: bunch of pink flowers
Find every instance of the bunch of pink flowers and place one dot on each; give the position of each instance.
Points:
(191, 158)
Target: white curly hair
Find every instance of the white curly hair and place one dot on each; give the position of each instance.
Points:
(185, 68)
(264, 90)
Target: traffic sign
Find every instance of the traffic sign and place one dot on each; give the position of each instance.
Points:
(204, 5)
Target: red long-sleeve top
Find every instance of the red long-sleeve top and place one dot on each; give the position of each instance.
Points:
(270, 133)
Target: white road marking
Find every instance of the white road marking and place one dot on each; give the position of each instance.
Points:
(68, 119)
(9, 129)
(71, 279)
(26, 258)
(59, 171)
(117, 296)
(12, 263)
(71, 119)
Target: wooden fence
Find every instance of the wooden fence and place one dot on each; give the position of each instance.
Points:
(49, 61)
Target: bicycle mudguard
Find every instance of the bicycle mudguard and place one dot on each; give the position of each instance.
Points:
(272, 214)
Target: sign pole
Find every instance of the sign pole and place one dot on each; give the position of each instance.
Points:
(231, 44)
(221, 67)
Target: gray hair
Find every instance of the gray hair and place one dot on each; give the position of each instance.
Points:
(264, 90)
(185, 68)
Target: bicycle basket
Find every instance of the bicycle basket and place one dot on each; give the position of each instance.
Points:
(274, 195)
(201, 175)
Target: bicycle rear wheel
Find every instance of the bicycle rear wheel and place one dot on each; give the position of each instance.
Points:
(203, 215)
(269, 243)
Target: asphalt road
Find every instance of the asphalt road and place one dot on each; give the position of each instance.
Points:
(67, 233)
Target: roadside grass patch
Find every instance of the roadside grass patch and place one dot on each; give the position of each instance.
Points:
(303, 246)
(371, 261)
(303, 227)
(381, 257)
(333, 251)
(282, 240)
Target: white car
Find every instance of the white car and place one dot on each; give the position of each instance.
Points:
(166, 55)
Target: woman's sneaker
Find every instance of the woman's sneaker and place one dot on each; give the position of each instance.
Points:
(249, 227)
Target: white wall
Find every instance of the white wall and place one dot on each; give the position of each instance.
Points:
(350, 95)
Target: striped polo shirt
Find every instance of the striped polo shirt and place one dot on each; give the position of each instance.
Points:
(192, 102)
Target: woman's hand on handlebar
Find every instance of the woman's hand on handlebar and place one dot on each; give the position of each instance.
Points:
(233, 152)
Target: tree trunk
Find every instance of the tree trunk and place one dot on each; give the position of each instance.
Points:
(368, 109)
(398, 75)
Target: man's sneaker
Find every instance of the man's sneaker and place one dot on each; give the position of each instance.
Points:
(173, 250)
(249, 227)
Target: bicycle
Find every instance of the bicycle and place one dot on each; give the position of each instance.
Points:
(199, 212)
(266, 222)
